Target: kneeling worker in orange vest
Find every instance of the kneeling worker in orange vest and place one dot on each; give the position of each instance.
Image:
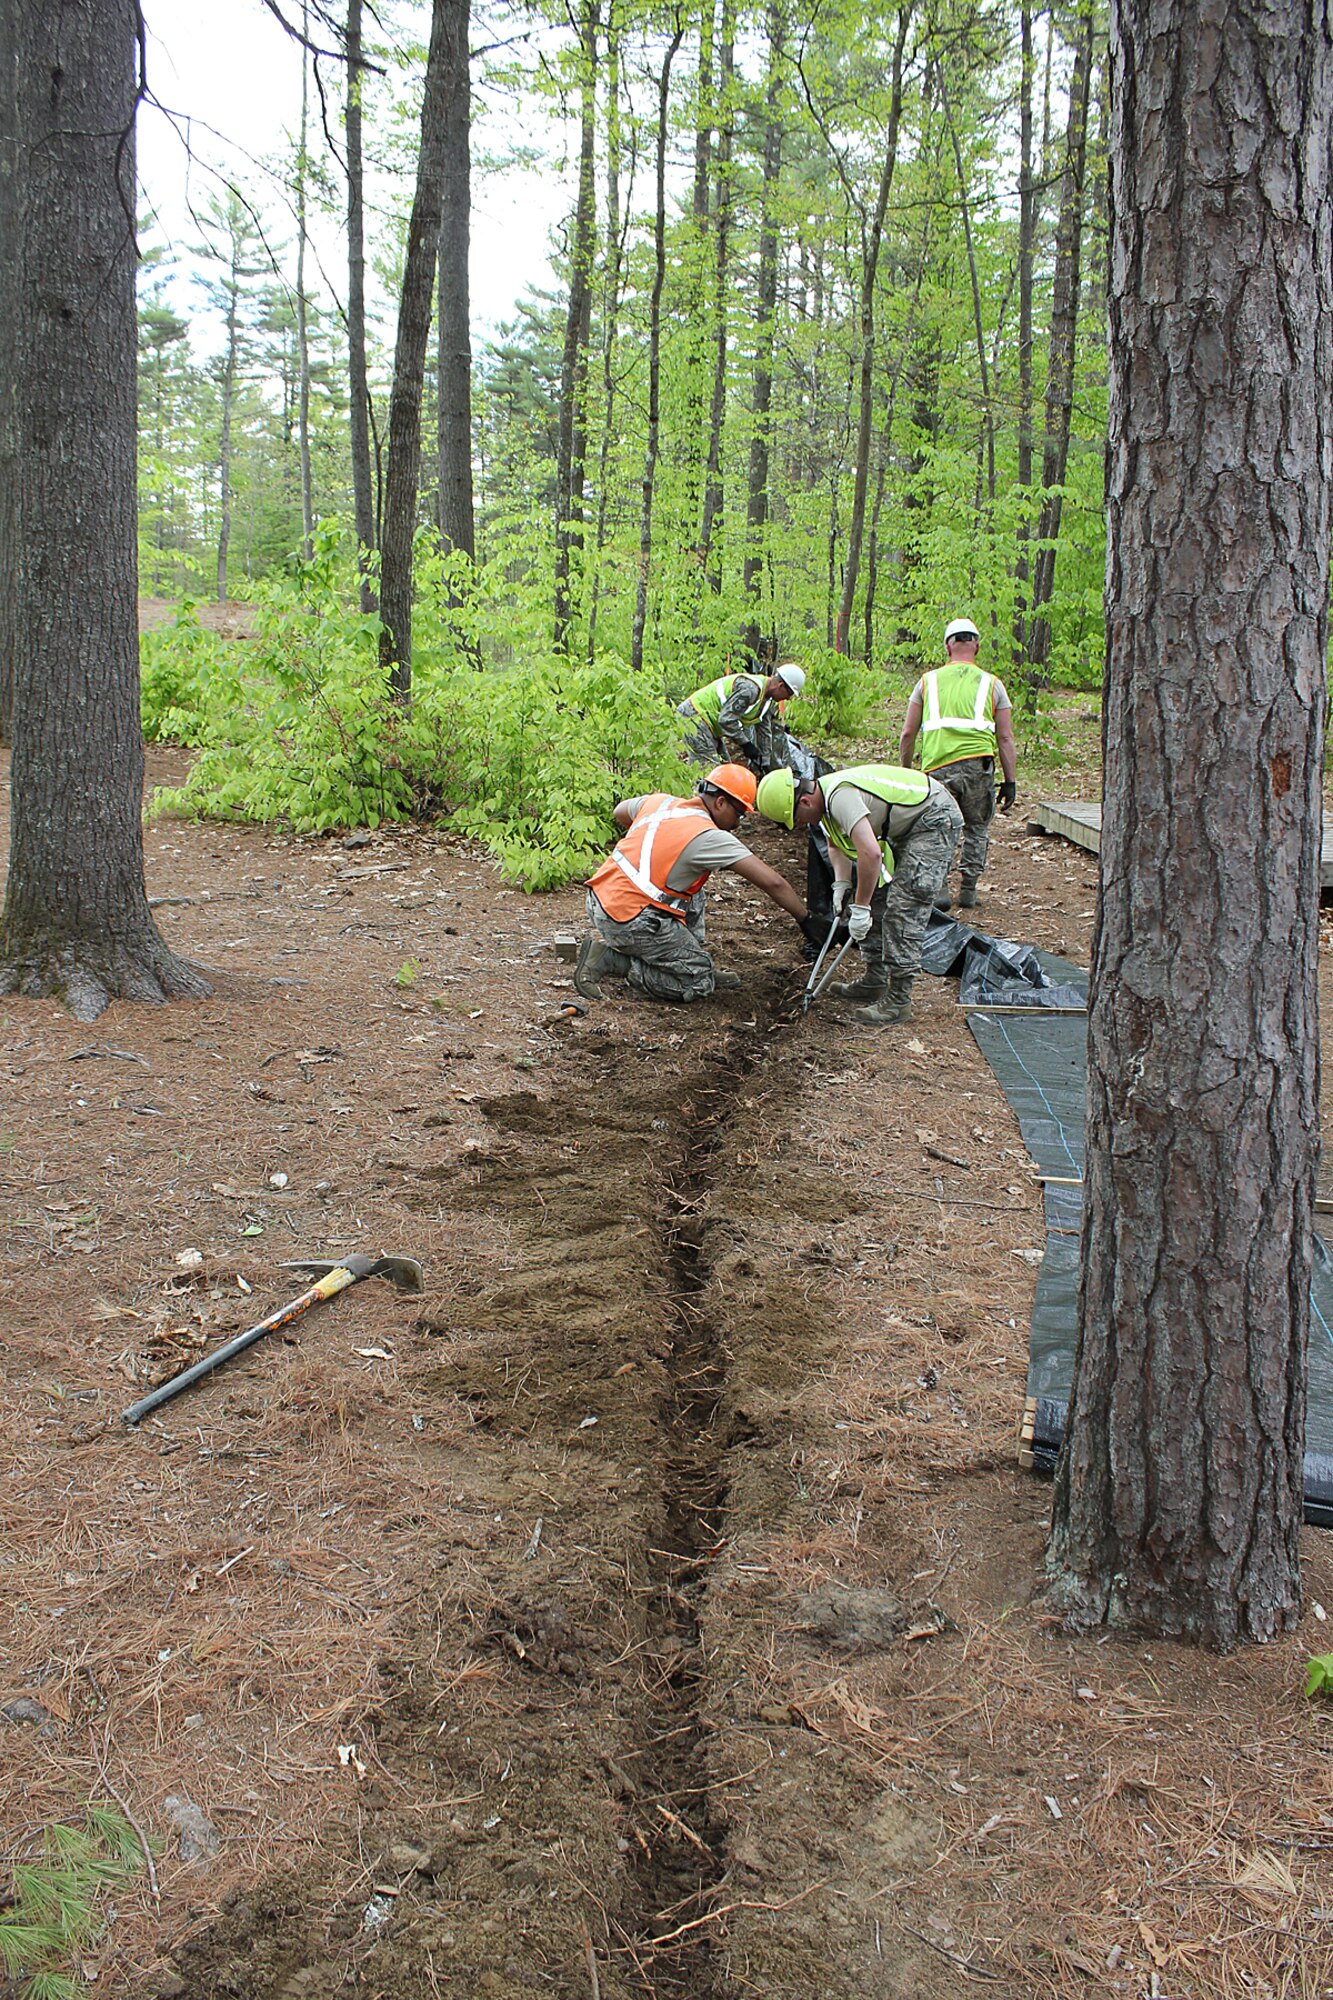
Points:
(645, 902)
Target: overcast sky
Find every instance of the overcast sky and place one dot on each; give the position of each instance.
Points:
(232, 79)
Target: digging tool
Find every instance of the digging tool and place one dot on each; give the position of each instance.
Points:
(332, 1275)
(568, 1010)
(814, 985)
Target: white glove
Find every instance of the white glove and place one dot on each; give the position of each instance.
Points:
(841, 891)
(858, 922)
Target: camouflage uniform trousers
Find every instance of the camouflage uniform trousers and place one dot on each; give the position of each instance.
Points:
(699, 744)
(667, 959)
(899, 911)
(972, 782)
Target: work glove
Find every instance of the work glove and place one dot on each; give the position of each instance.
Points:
(1008, 793)
(858, 922)
(841, 891)
(813, 931)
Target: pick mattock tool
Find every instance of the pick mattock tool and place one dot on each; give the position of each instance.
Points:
(814, 985)
(332, 1275)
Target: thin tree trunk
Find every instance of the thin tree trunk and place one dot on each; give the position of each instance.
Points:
(363, 485)
(455, 517)
(866, 393)
(449, 27)
(703, 118)
(1060, 371)
(76, 920)
(302, 328)
(987, 441)
(228, 399)
(717, 409)
(615, 253)
(756, 502)
(572, 439)
(1026, 236)
(1178, 1500)
(654, 356)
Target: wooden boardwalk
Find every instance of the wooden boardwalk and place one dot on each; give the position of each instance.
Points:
(1080, 820)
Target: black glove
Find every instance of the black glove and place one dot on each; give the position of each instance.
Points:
(814, 932)
(1008, 793)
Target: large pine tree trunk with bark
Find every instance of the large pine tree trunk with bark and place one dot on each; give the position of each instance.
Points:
(448, 32)
(1178, 1500)
(76, 920)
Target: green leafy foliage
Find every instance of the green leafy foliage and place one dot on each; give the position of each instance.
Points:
(55, 1906)
(1319, 1674)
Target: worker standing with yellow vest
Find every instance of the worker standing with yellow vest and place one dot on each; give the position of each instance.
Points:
(896, 831)
(739, 717)
(964, 717)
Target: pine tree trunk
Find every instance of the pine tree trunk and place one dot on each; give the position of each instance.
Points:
(866, 391)
(654, 355)
(1064, 334)
(455, 511)
(756, 498)
(448, 31)
(572, 437)
(615, 252)
(76, 920)
(363, 488)
(717, 406)
(1026, 238)
(302, 326)
(1178, 1499)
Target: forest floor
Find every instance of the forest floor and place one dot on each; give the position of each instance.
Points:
(654, 1606)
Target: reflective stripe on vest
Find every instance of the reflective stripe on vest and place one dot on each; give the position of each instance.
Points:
(956, 717)
(635, 872)
(707, 701)
(888, 782)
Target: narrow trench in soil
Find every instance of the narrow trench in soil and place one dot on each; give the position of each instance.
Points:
(676, 1879)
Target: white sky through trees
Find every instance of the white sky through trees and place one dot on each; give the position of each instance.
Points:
(231, 78)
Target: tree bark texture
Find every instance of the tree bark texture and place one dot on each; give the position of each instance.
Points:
(454, 427)
(449, 26)
(1178, 1499)
(76, 919)
(572, 438)
(1026, 240)
(363, 488)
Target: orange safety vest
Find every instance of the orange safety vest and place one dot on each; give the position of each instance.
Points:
(634, 874)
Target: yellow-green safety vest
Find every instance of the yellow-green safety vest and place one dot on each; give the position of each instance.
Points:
(890, 782)
(707, 701)
(956, 718)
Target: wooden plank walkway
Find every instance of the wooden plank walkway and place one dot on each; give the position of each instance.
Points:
(1080, 820)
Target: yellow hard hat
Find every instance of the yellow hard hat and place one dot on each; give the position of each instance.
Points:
(776, 796)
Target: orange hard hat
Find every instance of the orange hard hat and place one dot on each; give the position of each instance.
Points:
(733, 779)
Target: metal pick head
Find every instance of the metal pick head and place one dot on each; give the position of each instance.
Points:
(404, 1272)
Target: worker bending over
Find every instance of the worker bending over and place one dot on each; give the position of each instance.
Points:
(897, 829)
(646, 901)
(739, 717)
(965, 718)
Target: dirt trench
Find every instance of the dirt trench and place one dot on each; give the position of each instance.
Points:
(546, 1816)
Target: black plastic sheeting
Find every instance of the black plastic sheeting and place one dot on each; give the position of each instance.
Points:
(1041, 1065)
(995, 971)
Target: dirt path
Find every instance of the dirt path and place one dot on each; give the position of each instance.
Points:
(651, 1609)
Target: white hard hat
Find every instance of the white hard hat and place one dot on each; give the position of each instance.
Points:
(960, 628)
(793, 675)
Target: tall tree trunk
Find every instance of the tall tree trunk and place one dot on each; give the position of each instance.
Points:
(717, 406)
(448, 32)
(1026, 237)
(363, 485)
(756, 499)
(1060, 372)
(76, 920)
(572, 438)
(986, 444)
(302, 327)
(229, 369)
(866, 393)
(1178, 1498)
(615, 254)
(12, 180)
(703, 116)
(454, 507)
(654, 355)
